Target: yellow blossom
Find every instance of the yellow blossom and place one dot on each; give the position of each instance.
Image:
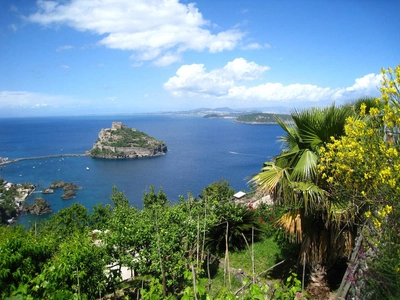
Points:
(388, 209)
(377, 224)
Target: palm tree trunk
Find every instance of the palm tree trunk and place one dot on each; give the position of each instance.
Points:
(318, 287)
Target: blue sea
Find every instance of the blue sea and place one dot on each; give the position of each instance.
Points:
(201, 151)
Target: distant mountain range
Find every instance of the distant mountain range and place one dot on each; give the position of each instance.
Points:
(227, 111)
(246, 116)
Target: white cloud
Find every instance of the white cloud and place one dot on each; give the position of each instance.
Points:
(240, 70)
(65, 67)
(279, 92)
(255, 46)
(252, 46)
(191, 80)
(13, 27)
(228, 84)
(167, 59)
(24, 99)
(151, 29)
(65, 47)
(368, 83)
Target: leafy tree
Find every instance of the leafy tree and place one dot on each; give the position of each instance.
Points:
(22, 256)
(99, 216)
(151, 199)
(217, 191)
(67, 221)
(235, 226)
(152, 241)
(121, 235)
(118, 198)
(75, 271)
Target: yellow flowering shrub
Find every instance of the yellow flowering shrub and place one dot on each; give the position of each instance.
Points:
(390, 95)
(365, 163)
(362, 169)
(359, 162)
(380, 216)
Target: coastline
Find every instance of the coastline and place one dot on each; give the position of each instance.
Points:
(23, 194)
(256, 123)
(262, 123)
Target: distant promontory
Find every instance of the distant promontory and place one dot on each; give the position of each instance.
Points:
(119, 142)
(263, 118)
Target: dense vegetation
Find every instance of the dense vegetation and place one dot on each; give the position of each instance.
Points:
(338, 182)
(335, 190)
(128, 137)
(97, 152)
(170, 247)
(263, 118)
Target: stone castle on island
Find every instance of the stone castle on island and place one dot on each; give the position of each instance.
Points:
(120, 142)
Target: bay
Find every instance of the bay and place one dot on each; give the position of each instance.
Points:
(201, 151)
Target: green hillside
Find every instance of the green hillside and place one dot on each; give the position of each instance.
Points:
(263, 118)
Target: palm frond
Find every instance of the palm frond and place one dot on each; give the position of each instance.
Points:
(291, 139)
(306, 166)
(288, 159)
(317, 125)
(310, 194)
(269, 177)
(341, 212)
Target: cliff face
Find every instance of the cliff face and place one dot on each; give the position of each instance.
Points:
(120, 141)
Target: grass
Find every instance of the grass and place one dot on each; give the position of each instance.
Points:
(266, 253)
(218, 283)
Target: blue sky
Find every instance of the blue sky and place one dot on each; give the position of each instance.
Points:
(131, 56)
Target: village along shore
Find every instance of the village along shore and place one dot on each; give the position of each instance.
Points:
(23, 190)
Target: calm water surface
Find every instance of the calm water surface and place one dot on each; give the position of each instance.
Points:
(201, 151)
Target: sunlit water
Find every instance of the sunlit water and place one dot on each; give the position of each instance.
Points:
(201, 151)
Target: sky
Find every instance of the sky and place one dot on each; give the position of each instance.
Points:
(94, 57)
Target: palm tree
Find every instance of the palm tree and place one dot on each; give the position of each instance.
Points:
(292, 179)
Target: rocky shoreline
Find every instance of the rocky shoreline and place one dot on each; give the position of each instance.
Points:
(39, 207)
(14, 196)
(69, 189)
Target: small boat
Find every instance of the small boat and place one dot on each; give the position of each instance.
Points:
(87, 168)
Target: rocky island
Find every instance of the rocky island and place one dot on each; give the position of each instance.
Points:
(120, 142)
(39, 207)
(69, 189)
